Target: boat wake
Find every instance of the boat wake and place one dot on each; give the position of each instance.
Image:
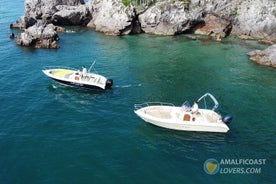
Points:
(128, 85)
(54, 86)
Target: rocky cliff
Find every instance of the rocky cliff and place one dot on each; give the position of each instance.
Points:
(111, 16)
(218, 18)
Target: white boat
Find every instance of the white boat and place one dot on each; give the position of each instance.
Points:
(82, 79)
(184, 118)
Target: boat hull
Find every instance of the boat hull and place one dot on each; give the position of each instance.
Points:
(171, 120)
(77, 85)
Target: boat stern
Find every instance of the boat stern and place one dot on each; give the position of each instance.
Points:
(108, 83)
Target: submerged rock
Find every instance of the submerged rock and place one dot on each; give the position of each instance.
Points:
(11, 35)
(266, 57)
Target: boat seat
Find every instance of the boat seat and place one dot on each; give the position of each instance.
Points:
(187, 117)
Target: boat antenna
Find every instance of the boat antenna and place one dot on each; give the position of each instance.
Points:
(92, 66)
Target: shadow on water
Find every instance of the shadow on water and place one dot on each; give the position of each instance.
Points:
(183, 145)
(75, 98)
(58, 87)
(152, 132)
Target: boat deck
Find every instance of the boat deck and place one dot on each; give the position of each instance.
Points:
(63, 73)
(159, 112)
(71, 75)
(168, 113)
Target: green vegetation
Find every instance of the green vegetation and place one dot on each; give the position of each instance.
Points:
(126, 2)
(235, 12)
(139, 2)
(187, 1)
(274, 13)
(148, 2)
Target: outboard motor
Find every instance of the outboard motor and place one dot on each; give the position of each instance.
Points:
(227, 119)
(108, 84)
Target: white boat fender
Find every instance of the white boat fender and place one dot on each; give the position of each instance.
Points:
(227, 119)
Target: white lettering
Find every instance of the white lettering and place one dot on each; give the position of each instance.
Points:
(242, 161)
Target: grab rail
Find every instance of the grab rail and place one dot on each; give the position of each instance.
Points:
(147, 104)
(60, 67)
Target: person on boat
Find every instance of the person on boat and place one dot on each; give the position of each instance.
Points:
(84, 71)
(194, 108)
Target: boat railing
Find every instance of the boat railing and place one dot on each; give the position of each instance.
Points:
(60, 67)
(147, 104)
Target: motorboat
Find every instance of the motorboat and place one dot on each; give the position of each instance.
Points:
(185, 117)
(76, 78)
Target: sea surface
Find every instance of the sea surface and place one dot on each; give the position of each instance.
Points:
(55, 134)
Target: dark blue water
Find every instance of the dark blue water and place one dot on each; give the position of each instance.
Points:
(55, 134)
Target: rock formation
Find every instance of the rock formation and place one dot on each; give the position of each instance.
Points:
(217, 18)
(256, 19)
(111, 17)
(71, 15)
(214, 26)
(266, 57)
(39, 36)
(165, 18)
(59, 12)
(40, 15)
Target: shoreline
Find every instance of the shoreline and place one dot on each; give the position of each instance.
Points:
(43, 20)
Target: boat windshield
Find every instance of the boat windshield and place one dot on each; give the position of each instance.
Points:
(207, 101)
(186, 106)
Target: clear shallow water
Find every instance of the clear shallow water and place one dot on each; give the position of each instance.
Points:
(54, 134)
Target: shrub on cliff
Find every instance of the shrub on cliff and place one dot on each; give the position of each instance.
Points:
(139, 2)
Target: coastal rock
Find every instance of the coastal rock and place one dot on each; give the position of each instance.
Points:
(175, 17)
(251, 19)
(23, 23)
(111, 17)
(39, 36)
(218, 18)
(71, 15)
(11, 35)
(266, 57)
(39, 17)
(214, 26)
(52, 11)
(257, 20)
(165, 18)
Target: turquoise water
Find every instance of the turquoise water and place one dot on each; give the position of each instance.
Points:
(54, 134)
